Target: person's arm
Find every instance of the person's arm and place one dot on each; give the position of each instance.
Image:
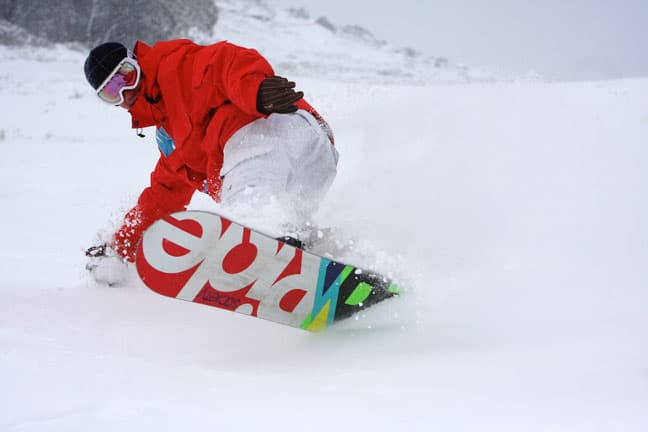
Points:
(168, 193)
(249, 82)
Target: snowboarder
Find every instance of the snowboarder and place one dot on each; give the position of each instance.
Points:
(226, 125)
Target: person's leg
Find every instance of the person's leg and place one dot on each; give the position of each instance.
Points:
(314, 168)
(276, 171)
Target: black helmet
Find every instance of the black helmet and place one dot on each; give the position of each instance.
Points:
(102, 60)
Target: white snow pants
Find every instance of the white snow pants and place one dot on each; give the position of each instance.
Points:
(276, 170)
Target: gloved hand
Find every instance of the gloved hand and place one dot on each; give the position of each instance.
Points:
(276, 95)
(106, 266)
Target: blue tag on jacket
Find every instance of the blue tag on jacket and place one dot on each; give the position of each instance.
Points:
(164, 142)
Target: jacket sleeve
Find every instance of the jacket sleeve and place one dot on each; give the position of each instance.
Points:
(167, 194)
(237, 73)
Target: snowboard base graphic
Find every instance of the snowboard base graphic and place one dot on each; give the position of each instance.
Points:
(204, 258)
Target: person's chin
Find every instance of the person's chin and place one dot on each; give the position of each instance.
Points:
(129, 99)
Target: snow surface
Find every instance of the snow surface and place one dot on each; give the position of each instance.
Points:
(514, 212)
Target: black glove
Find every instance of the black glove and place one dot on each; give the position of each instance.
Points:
(105, 266)
(276, 95)
(96, 251)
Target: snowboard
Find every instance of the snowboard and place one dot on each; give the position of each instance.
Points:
(205, 258)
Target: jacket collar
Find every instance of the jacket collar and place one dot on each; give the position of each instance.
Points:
(142, 112)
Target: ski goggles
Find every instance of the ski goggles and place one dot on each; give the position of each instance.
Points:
(125, 76)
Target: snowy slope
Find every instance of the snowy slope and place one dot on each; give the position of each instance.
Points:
(515, 211)
(298, 44)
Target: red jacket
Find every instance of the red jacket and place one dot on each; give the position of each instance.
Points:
(200, 95)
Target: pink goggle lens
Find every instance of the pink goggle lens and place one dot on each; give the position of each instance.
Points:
(126, 77)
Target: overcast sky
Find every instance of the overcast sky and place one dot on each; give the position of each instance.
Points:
(559, 39)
